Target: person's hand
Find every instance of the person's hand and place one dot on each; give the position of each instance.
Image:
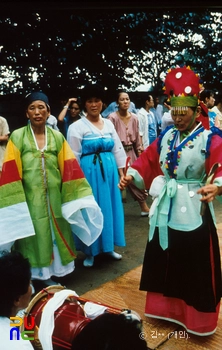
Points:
(125, 180)
(209, 192)
(139, 151)
(72, 99)
(167, 106)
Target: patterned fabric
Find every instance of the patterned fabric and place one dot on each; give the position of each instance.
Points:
(182, 256)
(44, 194)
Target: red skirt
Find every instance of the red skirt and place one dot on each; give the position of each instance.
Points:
(176, 310)
(184, 281)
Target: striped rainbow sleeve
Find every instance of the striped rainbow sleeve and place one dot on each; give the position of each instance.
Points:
(15, 220)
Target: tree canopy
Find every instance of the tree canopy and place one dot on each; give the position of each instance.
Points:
(58, 49)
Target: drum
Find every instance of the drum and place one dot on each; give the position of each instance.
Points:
(69, 318)
(60, 314)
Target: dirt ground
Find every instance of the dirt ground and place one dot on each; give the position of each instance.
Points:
(105, 269)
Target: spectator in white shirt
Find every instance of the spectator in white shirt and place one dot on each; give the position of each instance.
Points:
(15, 295)
(147, 123)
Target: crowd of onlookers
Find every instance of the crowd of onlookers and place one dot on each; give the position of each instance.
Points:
(74, 188)
(154, 116)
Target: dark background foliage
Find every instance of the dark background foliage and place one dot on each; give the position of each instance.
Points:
(67, 44)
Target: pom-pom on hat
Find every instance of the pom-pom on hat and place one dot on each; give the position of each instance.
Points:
(182, 86)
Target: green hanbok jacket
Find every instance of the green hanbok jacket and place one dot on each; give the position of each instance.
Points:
(44, 196)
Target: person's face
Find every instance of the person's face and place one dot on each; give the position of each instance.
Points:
(93, 106)
(74, 110)
(123, 101)
(210, 101)
(25, 299)
(185, 122)
(150, 102)
(37, 113)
